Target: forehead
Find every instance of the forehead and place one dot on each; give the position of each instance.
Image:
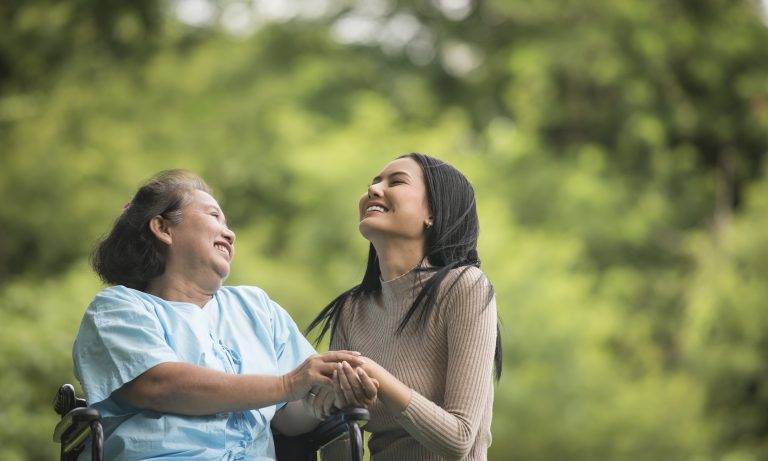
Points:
(404, 165)
(200, 199)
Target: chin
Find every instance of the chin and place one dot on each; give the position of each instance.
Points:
(365, 230)
(223, 274)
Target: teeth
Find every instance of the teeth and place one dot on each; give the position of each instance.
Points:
(221, 248)
(374, 208)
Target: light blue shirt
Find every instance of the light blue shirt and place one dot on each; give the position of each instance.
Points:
(125, 332)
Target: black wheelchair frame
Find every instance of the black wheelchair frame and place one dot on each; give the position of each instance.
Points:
(81, 423)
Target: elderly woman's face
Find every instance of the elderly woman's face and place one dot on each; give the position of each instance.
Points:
(202, 244)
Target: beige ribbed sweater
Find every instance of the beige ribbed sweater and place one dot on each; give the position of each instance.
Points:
(448, 365)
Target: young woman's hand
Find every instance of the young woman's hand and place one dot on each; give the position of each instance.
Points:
(319, 402)
(353, 387)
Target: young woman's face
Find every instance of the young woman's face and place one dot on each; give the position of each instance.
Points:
(395, 205)
(202, 244)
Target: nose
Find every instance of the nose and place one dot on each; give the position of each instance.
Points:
(229, 236)
(374, 190)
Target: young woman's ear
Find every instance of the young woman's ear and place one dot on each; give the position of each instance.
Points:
(161, 230)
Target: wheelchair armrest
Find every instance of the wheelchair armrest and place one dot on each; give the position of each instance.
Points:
(78, 422)
(304, 447)
(75, 426)
(338, 424)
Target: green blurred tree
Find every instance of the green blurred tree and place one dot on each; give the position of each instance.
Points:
(726, 325)
(38, 39)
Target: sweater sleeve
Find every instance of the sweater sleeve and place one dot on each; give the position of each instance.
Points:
(470, 318)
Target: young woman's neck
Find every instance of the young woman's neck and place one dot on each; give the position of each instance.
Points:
(397, 258)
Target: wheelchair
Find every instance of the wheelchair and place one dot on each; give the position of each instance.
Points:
(80, 424)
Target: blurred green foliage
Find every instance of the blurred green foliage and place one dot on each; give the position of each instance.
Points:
(617, 150)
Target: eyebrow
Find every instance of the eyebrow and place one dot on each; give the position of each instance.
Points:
(391, 175)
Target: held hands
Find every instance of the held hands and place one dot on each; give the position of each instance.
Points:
(352, 387)
(316, 372)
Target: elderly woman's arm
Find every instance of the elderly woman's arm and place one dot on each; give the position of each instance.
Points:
(182, 388)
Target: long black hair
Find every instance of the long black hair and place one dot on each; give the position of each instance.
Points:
(451, 243)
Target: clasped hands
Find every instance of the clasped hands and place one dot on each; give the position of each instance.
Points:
(347, 384)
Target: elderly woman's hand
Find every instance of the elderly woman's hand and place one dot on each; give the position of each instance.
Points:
(353, 387)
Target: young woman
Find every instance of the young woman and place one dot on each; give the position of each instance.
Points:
(178, 365)
(424, 317)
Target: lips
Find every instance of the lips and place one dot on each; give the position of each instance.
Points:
(378, 207)
(225, 248)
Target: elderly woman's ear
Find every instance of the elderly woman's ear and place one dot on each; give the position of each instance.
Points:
(160, 227)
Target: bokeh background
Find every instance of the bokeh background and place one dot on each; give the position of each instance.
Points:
(616, 146)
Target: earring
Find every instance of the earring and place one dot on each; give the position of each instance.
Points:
(428, 225)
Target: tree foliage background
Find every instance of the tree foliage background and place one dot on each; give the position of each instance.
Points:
(617, 150)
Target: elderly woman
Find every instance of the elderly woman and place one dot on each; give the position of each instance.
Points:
(178, 365)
